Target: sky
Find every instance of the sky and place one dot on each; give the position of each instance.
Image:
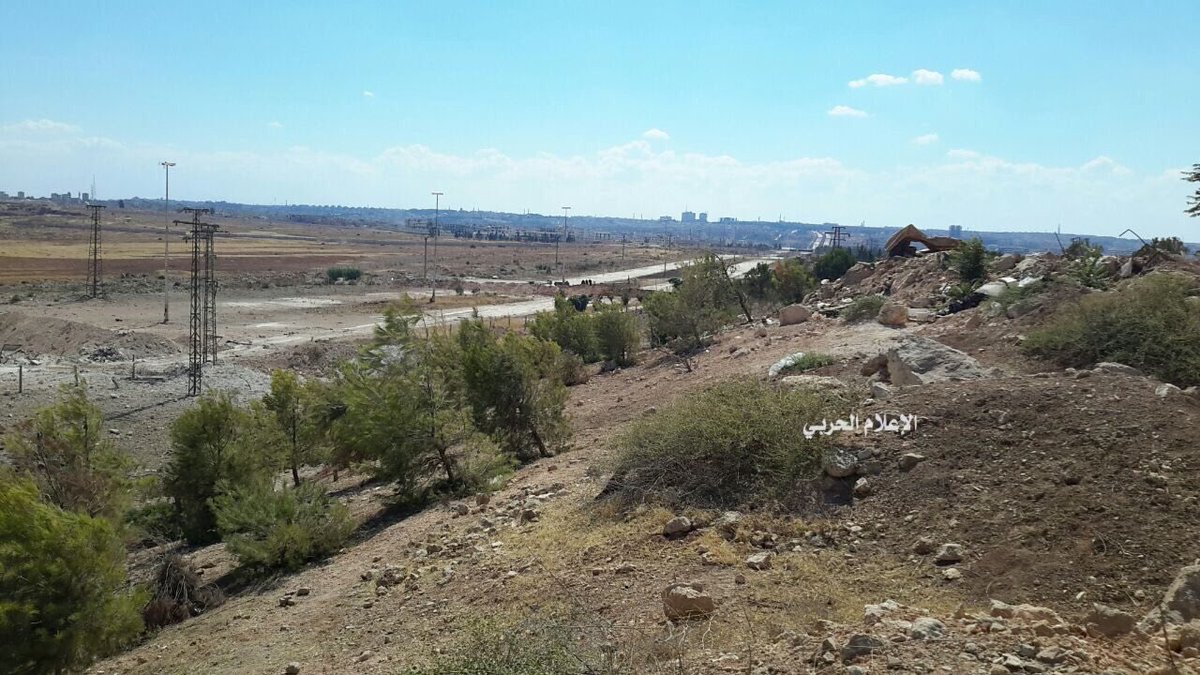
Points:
(992, 115)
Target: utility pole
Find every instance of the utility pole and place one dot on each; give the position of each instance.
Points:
(167, 241)
(94, 253)
(561, 268)
(202, 323)
(437, 196)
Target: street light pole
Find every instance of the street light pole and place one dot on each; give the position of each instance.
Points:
(437, 196)
(167, 241)
(561, 269)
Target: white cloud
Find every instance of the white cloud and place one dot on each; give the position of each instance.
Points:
(368, 94)
(927, 77)
(879, 80)
(926, 139)
(41, 126)
(966, 75)
(275, 124)
(846, 111)
(656, 135)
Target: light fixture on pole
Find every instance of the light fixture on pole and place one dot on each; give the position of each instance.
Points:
(167, 240)
(560, 238)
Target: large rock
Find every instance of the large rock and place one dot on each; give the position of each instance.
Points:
(1181, 603)
(892, 314)
(857, 274)
(840, 462)
(927, 628)
(793, 314)
(685, 601)
(1006, 262)
(1028, 613)
(1113, 368)
(919, 360)
(1105, 621)
(677, 526)
(819, 382)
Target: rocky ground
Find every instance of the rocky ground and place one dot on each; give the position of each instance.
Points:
(1035, 520)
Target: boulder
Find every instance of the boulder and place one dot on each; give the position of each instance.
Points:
(880, 391)
(927, 628)
(1166, 389)
(726, 524)
(921, 315)
(292, 668)
(861, 644)
(918, 360)
(685, 601)
(1005, 262)
(760, 561)
(1028, 613)
(1116, 369)
(1181, 603)
(992, 289)
(794, 314)
(892, 314)
(840, 462)
(924, 546)
(863, 488)
(949, 554)
(677, 526)
(909, 461)
(1105, 621)
(857, 274)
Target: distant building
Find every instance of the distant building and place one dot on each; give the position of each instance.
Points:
(83, 197)
(703, 217)
(20, 194)
(726, 220)
(956, 231)
(688, 217)
(666, 219)
(3, 195)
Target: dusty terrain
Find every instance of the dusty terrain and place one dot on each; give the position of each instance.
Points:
(1060, 488)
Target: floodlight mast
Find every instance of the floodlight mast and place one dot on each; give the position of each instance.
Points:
(437, 196)
(167, 240)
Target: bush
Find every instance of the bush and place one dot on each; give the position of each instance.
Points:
(1150, 324)
(834, 264)
(66, 451)
(618, 335)
(528, 648)
(810, 361)
(736, 443)
(216, 446)
(568, 327)
(346, 273)
(155, 521)
(281, 529)
(63, 594)
(179, 594)
(863, 308)
(792, 280)
(572, 370)
(971, 260)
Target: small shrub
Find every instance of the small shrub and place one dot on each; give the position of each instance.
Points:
(834, 264)
(528, 648)
(1087, 270)
(1150, 324)
(155, 521)
(572, 369)
(268, 528)
(971, 260)
(810, 361)
(863, 308)
(179, 594)
(735, 443)
(1014, 294)
(346, 273)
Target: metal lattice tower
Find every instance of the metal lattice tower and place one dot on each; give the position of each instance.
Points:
(202, 318)
(837, 233)
(93, 278)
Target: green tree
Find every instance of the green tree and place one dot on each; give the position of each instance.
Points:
(971, 260)
(1169, 245)
(65, 450)
(216, 447)
(296, 411)
(513, 389)
(619, 335)
(63, 594)
(834, 264)
(1193, 176)
(570, 328)
(268, 528)
(793, 280)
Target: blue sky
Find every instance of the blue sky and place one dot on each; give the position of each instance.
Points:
(1061, 112)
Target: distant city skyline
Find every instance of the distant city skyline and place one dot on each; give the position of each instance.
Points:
(993, 116)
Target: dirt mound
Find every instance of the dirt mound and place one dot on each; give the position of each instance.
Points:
(1056, 486)
(39, 335)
